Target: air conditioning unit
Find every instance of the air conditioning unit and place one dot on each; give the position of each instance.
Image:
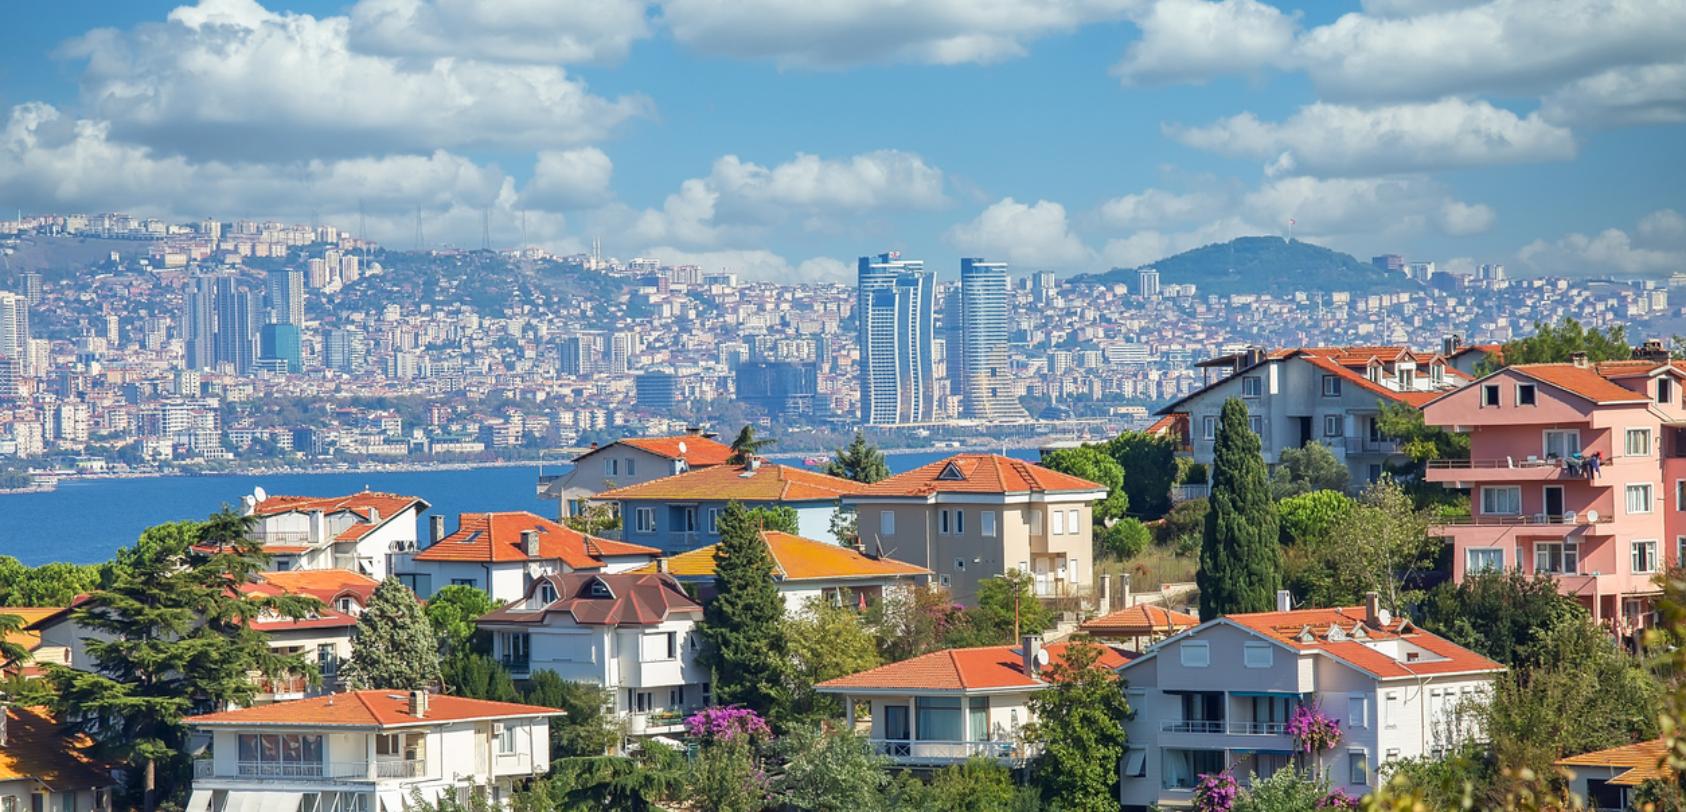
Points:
(1539, 518)
(1570, 517)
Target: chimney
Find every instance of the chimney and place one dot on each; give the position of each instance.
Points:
(1032, 650)
(1652, 350)
(435, 529)
(593, 446)
(693, 431)
(1285, 600)
(530, 543)
(418, 704)
(1451, 344)
(661, 565)
(1578, 358)
(374, 515)
(754, 463)
(1372, 609)
(318, 526)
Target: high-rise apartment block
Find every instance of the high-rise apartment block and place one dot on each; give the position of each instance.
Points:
(239, 312)
(1392, 263)
(199, 323)
(344, 350)
(978, 342)
(286, 298)
(895, 311)
(1147, 283)
(578, 356)
(32, 287)
(1493, 272)
(14, 325)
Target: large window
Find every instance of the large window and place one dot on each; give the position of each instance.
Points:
(1562, 444)
(1639, 498)
(1501, 501)
(977, 719)
(1358, 768)
(1208, 427)
(887, 522)
(1358, 711)
(1639, 442)
(1482, 559)
(506, 739)
(937, 718)
(1182, 768)
(1331, 386)
(1644, 557)
(986, 520)
(327, 659)
(1525, 394)
(1250, 386)
(1556, 557)
(291, 754)
(1059, 522)
(1255, 424)
(1334, 425)
(1258, 655)
(644, 519)
(1196, 654)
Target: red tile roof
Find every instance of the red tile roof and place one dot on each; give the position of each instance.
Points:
(797, 559)
(1312, 630)
(39, 747)
(1634, 764)
(1139, 621)
(765, 483)
(372, 508)
(629, 600)
(370, 709)
(325, 585)
(978, 473)
(697, 452)
(493, 537)
(1583, 381)
(962, 669)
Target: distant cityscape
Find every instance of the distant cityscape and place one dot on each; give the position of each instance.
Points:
(218, 344)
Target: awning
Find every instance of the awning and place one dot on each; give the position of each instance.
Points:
(199, 801)
(279, 801)
(391, 801)
(1274, 694)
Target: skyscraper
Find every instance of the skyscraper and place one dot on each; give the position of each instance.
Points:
(578, 356)
(14, 325)
(286, 298)
(1147, 283)
(199, 323)
(344, 350)
(894, 308)
(282, 349)
(980, 341)
(239, 313)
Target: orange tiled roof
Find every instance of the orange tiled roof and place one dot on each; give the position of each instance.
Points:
(388, 504)
(978, 473)
(38, 747)
(697, 452)
(1140, 620)
(1643, 761)
(1336, 368)
(796, 559)
(1292, 628)
(767, 483)
(28, 638)
(370, 709)
(492, 537)
(963, 669)
(1583, 381)
(320, 582)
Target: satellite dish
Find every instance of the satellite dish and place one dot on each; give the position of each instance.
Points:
(682, 448)
(1042, 657)
(1592, 517)
(259, 494)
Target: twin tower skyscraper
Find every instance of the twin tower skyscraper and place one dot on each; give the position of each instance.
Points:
(896, 306)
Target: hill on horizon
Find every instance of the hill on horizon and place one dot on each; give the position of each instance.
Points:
(1261, 265)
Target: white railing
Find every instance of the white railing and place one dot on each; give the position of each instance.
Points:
(204, 768)
(950, 752)
(1258, 728)
(314, 770)
(1187, 726)
(401, 768)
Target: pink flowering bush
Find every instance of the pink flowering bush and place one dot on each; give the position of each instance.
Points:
(1338, 799)
(1216, 792)
(712, 725)
(1312, 731)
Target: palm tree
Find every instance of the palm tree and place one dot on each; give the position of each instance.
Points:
(746, 446)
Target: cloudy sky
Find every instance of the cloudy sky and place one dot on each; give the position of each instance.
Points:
(782, 138)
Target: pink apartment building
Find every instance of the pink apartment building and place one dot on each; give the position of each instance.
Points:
(1533, 501)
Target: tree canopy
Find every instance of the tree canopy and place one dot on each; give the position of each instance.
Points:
(860, 461)
(1094, 464)
(1150, 468)
(1240, 558)
(1080, 721)
(395, 647)
(746, 445)
(1309, 468)
(744, 624)
(452, 611)
(1553, 344)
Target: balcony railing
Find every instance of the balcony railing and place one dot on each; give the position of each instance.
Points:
(280, 537)
(1218, 727)
(401, 768)
(1187, 726)
(1258, 728)
(1366, 445)
(284, 685)
(516, 665)
(204, 768)
(1187, 493)
(1570, 518)
(313, 770)
(935, 753)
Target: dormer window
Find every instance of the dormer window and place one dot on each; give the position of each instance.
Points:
(1335, 635)
(1358, 632)
(547, 593)
(346, 606)
(1665, 390)
(598, 589)
(951, 472)
(1407, 378)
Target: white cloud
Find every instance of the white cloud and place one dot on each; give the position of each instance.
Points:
(1660, 250)
(1031, 236)
(556, 31)
(228, 79)
(1460, 219)
(1147, 247)
(1334, 140)
(1646, 94)
(843, 33)
(1157, 208)
(571, 179)
(1194, 41)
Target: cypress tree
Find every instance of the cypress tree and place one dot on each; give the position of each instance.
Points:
(1240, 555)
(860, 461)
(395, 648)
(744, 624)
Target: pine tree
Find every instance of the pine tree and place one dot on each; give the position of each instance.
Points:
(744, 624)
(172, 636)
(860, 461)
(395, 648)
(1240, 555)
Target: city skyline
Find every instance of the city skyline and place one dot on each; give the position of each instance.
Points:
(728, 138)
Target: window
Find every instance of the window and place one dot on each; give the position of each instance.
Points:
(959, 522)
(1208, 427)
(690, 517)
(713, 519)
(1059, 522)
(1196, 654)
(1557, 558)
(1680, 551)
(673, 645)
(1490, 395)
(630, 468)
(1525, 394)
(1358, 768)
(1639, 498)
(1258, 655)
(1135, 765)
(1333, 425)
(676, 697)
(977, 718)
(1562, 444)
(1501, 501)
(547, 593)
(1644, 557)
(473, 582)
(422, 585)
(937, 718)
(506, 739)
(611, 468)
(644, 519)
(944, 580)
(280, 755)
(707, 694)
(327, 659)
(1390, 710)
(942, 522)
(887, 522)
(1035, 526)
(1407, 378)
(1072, 523)
(1639, 442)
(1358, 711)
(1250, 386)
(1255, 424)
(1331, 386)
(1680, 494)
(960, 563)
(1665, 390)
(986, 521)
(1481, 559)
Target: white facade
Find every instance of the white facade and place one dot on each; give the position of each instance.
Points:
(311, 539)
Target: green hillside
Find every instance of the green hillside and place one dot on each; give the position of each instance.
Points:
(1262, 265)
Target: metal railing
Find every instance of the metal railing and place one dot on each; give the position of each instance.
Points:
(284, 685)
(1258, 728)
(280, 537)
(401, 768)
(1365, 445)
(516, 665)
(1187, 493)
(319, 770)
(1569, 518)
(1188, 726)
(904, 751)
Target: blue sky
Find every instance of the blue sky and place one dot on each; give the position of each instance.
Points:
(783, 139)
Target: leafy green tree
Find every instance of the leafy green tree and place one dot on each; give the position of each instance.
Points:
(1125, 539)
(1005, 604)
(1421, 443)
(744, 624)
(478, 676)
(914, 621)
(1286, 790)
(860, 461)
(1094, 464)
(1080, 721)
(590, 728)
(723, 777)
(452, 611)
(979, 785)
(745, 445)
(827, 640)
(1382, 545)
(1240, 558)
(1308, 469)
(646, 781)
(1501, 615)
(780, 518)
(172, 635)
(1186, 520)
(1150, 467)
(592, 519)
(52, 584)
(395, 648)
(835, 772)
(846, 527)
(1311, 516)
(1552, 345)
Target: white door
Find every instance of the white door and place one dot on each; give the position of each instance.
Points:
(1043, 577)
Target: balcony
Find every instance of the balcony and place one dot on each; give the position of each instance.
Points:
(656, 722)
(288, 538)
(906, 753)
(401, 768)
(518, 667)
(547, 485)
(1188, 493)
(1462, 473)
(1366, 446)
(1569, 519)
(1224, 728)
(282, 688)
(1195, 726)
(206, 768)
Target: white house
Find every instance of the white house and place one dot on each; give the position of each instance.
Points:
(44, 770)
(803, 569)
(1219, 697)
(949, 706)
(501, 553)
(632, 634)
(323, 638)
(366, 751)
(630, 461)
(357, 532)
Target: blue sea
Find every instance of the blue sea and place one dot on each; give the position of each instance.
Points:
(84, 522)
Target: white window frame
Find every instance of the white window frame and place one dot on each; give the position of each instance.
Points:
(1643, 436)
(1650, 554)
(1490, 398)
(1358, 711)
(1059, 523)
(1195, 653)
(611, 466)
(1469, 562)
(1665, 383)
(1563, 451)
(1358, 768)
(644, 519)
(1532, 393)
(986, 522)
(1073, 521)
(1334, 425)
(959, 522)
(942, 522)
(1566, 553)
(1680, 494)
(1679, 551)
(713, 521)
(1208, 428)
(1331, 386)
(1494, 489)
(1252, 387)
(1390, 710)
(1135, 762)
(887, 522)
(1638, 499)
(1258, 655)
